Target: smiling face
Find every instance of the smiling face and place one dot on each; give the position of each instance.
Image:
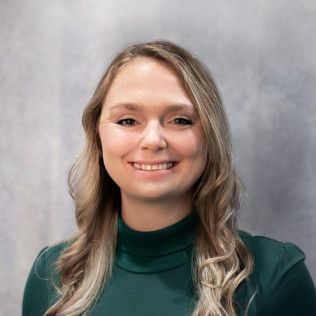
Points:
(148, 120)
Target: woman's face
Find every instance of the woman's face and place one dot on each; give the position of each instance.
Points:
(147, 121)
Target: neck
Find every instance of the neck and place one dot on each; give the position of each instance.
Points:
(147, 215)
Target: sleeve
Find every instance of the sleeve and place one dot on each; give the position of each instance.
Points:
(35, 299)
(292, 291)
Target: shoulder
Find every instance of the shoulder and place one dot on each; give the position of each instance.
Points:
(272, 258)
(39, 290)
(44, 266)
(281, 276)
(49, 255)
(268, 251)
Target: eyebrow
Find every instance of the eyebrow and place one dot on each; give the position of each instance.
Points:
(135, 107)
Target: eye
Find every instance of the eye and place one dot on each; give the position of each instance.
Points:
(184, 121)
(126, 121)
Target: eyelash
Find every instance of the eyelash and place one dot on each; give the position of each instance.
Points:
(189, 122)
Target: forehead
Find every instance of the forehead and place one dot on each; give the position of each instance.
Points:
(143, 65)
(147, 72)
(146, 81)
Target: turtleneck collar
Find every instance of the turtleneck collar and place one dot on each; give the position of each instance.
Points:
(157, 250)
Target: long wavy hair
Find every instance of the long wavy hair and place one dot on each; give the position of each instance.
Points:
(221, 259)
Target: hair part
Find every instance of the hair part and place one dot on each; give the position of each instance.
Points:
(221, 261)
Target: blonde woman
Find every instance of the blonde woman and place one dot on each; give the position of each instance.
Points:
(156, 194)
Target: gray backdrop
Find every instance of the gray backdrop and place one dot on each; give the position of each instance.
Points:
(262, 54)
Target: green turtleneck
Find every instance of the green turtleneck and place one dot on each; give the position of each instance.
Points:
(158, 250)
(152, 273)
(152, 276)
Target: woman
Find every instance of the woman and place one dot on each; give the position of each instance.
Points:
(156, 194)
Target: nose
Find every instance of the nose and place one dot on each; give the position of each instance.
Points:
(153, 137)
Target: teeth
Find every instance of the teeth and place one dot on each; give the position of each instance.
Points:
(162, 166)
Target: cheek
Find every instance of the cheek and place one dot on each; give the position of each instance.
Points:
(192, 146)
(114, 144)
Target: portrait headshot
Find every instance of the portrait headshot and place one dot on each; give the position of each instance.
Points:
(158, 160)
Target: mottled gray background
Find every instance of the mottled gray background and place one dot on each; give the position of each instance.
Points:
(262, 54)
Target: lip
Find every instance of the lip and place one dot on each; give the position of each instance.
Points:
(146, 162)
(154, 174)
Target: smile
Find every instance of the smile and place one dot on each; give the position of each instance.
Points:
(163, 166)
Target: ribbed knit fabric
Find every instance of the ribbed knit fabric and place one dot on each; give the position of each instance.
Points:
(152, 276)
(158, 250)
